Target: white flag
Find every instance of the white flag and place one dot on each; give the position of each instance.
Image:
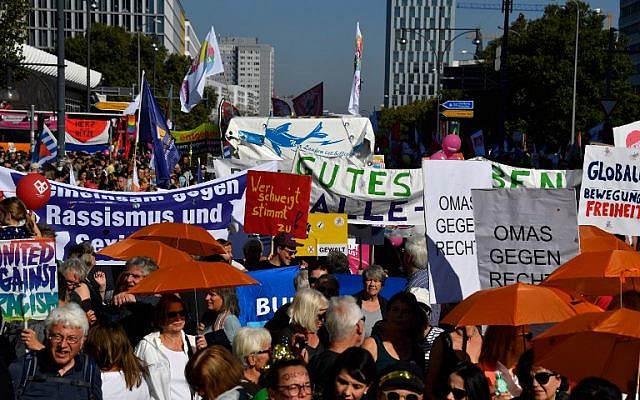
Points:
(354, 100)
(209, 62)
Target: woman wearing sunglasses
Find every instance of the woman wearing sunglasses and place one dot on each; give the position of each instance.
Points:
(401, 381)
(538, 382)
(252, 346)
(165, 352)
(467, 382)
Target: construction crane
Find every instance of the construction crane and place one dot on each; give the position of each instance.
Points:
(498, 6)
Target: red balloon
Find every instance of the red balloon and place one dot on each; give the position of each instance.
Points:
(34, 190)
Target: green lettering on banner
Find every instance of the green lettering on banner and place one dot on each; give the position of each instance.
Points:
(373, 182)
(407, 189)
(356, 172)
(514, 177)
(545, 181)
(498, 176)
(333, 176)
(302, 160)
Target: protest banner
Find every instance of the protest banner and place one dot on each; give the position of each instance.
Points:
(367, 195)
(507, 177)
(28, 279)
(226, 166)
(359, 256)
(449, 226)
(203, 139)
(609, 196)
(79, 214)
(277, 202)
(522, 235)
(325, 232)
(627, 135)
(259, 302)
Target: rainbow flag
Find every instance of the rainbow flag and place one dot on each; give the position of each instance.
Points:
(209, 62)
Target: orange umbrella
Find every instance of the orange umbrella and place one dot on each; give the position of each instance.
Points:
(158, 251)
(593, 238)
(605, 344)
(599, 273)
(188, 238)
(518, 304)
(192, 275)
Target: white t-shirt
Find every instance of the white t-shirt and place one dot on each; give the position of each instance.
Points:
(177, 361)
(114, 387)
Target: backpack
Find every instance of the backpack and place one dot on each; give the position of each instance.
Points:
(29, 374)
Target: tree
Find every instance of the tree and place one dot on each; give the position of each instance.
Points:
(13, 25)
(541, 67)
(114, 52)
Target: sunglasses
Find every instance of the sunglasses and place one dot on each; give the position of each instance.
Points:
(175, 314)
(543, 377)
(266, 351)
(458, 394)
(398, 396)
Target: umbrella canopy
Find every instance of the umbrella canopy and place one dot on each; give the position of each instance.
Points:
(192, 275)
(161, 253)
(191, 239)
(599, 273)
(593, 238)
(605, 344)
(518, 304)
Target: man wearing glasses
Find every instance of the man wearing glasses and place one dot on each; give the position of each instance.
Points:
(289, 379)
(284, 251)
(59, 371)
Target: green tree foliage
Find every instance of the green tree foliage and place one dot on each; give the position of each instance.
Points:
(114, 52)
(541, 66)
(540, 75)
(13, 32)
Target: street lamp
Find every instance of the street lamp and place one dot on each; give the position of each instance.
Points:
(439, 51)
(155, 51)
(575, 75)
(93, 5)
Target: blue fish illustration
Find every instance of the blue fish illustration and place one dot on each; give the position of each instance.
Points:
(280, 137)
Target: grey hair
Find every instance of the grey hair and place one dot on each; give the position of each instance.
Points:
(70, 315)
(249, 340)
(75, 265)
(305, 307)
(342, 316)
(375, 272)
(416, 247)
(147, 264)
(301, 280)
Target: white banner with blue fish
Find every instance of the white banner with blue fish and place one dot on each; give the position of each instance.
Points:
(260, 138)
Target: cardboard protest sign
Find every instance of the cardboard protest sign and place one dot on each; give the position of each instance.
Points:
(367, 195)
(609, 197)
(507, 177)
(627, 135)
(522, 235)
(277, 202)
(451, 238)
(28, 280)
(326, 232)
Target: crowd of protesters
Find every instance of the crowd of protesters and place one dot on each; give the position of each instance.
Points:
(103, 342)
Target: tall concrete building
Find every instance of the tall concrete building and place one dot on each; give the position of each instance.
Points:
(165, 19)
(629, 24)
(414, 28)
(248, 64)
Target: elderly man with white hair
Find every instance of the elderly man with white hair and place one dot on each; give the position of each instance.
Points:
(59, 370)
(345, 324)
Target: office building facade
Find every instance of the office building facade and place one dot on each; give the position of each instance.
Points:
(163, 19)
(413, 30)
(629, 24)
(249, 65)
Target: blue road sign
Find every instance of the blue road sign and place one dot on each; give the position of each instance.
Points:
(458, 104)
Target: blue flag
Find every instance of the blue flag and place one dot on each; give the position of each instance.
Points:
(154, 130)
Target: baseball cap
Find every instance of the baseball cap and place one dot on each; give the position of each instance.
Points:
(402, 375)
(284, 239)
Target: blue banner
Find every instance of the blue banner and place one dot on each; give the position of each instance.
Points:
(78, 214)
(258, 303)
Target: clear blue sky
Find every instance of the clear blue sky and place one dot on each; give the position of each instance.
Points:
(314, 40)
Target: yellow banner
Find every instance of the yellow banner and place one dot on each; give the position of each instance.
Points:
(326, 232)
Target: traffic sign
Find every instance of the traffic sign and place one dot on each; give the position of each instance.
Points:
(458, 113)
(608, 104)
(458, 104)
